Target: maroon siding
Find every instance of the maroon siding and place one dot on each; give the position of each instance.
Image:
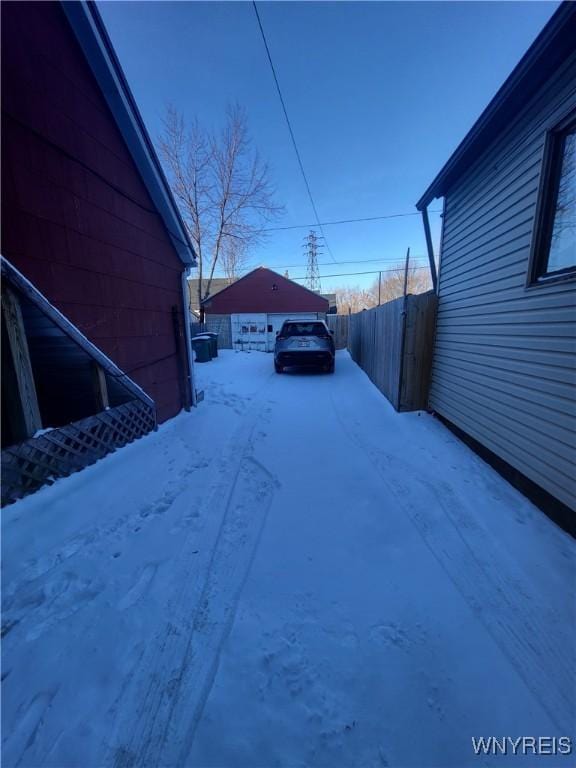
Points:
(256, 293)
(77, 219)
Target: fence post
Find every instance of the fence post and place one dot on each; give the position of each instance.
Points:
(403, 332)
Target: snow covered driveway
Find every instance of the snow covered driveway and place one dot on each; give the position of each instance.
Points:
(291, 575)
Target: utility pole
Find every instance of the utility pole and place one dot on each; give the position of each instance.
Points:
(379, 286)
(403, 337)
(312, 271)
(406, 273)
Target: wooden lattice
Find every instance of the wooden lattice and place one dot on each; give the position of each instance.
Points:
(60, 452)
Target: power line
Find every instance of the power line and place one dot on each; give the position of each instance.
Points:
(354, 261)
(397, 270)
(371, 272)
(347, 221)
(291, 131)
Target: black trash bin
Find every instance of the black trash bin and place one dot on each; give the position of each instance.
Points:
(201, 346)
(213, 342)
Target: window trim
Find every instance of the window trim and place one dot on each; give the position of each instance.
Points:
(547, 193)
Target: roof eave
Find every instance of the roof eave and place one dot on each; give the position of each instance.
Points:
(86, 23)
(208, 298)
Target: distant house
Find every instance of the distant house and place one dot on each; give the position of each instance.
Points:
(332, 305)
(504, 359)
(216, 284)
(95, 253)
(256, 305)
(219, 283)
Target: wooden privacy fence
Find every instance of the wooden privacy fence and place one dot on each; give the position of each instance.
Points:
(339, 324)
(393, 345)
(219, 324)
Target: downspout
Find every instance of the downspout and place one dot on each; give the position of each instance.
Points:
(188, 339)
(430, 248)
(424, 212)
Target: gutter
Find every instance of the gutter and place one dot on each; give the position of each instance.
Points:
(188, 339)
(430, 248)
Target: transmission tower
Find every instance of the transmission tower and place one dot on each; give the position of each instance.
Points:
(312, 272)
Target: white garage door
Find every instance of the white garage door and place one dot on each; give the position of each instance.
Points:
(257, 331)
(249, 331)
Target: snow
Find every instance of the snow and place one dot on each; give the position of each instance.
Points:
(291, 575)
(40, 432)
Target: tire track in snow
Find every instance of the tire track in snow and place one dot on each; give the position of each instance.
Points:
(164, 703)
(526, 633)
(254, 481)
(28, 732)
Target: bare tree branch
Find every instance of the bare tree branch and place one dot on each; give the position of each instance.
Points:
(223, 189)
(355, 299)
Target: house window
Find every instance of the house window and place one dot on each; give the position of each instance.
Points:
(554, 242)
(270, 329)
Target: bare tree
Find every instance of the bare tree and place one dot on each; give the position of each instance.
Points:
(352, 298)
(355, 299)
(233, 257)
(223, 190)
(392, 284)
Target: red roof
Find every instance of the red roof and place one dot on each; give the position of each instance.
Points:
(263, 290)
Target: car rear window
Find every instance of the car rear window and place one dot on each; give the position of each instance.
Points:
(304, 329)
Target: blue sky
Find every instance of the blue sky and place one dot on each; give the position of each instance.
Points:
(379, 95)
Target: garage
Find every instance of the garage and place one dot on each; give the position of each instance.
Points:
(258, 304)
(257, 331)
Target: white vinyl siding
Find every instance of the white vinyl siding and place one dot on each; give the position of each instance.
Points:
(504, 367)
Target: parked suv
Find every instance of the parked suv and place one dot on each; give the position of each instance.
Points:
(306, 343)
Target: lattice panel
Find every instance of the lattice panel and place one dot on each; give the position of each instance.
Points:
(60, 452)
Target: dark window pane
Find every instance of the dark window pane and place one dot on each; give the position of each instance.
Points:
(562, 254)
(304, 329)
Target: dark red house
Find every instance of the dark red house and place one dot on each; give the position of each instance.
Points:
(87, 215)
(95, 332)
(256, 305)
